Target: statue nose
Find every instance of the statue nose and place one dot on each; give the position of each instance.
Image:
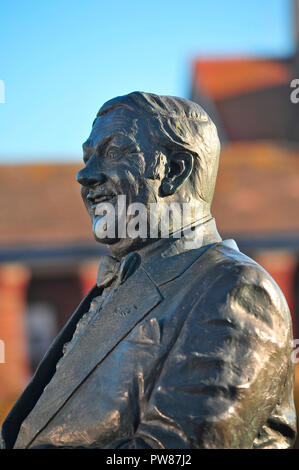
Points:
(89, 178)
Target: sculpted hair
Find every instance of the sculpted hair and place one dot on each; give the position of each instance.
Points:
(178, 124)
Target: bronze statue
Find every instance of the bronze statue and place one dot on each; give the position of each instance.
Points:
(184, 342)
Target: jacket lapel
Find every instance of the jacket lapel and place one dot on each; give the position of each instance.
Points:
(129, 304)
(173, 264)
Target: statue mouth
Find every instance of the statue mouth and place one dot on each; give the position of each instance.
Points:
(100, 204)
(95, 199)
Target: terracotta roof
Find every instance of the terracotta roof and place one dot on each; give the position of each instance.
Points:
(42, 204)
(248, 99)
(257, 192)
(228, 77)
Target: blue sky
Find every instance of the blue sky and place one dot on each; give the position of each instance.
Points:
(60, 60)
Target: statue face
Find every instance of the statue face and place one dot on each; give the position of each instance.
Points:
(115, 156)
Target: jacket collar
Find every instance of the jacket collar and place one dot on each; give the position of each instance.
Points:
(173, 257)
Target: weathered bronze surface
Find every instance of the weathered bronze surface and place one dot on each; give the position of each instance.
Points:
(175, 346)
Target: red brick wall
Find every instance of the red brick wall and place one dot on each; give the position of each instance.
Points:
(14, 373)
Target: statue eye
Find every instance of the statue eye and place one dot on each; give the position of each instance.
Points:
(112, 154)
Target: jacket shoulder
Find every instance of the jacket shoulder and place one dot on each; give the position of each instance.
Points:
(231, 276)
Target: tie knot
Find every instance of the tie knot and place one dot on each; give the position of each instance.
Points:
(111, 269)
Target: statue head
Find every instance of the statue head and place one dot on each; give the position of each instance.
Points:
(152, 151)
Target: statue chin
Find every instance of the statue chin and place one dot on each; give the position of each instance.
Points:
(106, 240)
(117, 245)
(105, 231)
(103, 238)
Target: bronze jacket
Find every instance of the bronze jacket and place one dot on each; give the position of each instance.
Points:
(192, 351)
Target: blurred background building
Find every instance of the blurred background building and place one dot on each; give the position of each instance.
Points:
(257, 194)
(48, 258)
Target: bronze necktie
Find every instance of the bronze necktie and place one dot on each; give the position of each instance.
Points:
(111, 269)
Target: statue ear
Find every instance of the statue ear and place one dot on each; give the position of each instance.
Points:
(180, 166)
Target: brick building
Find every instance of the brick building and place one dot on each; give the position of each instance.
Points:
(257, 197)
